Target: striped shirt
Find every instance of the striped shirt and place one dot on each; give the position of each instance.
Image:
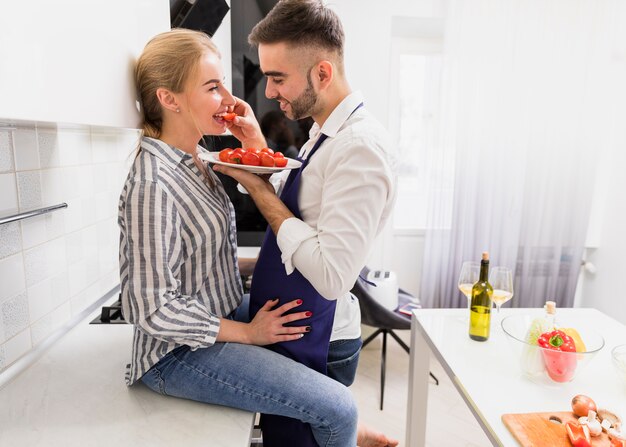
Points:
(178, 255)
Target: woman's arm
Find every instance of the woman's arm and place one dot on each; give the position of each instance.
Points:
(151, 295)
(151, 253)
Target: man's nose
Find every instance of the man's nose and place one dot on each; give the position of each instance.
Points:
(270, 93)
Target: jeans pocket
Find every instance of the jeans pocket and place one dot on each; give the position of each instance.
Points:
(343, 360)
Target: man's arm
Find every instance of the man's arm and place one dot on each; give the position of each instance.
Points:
(357, 190)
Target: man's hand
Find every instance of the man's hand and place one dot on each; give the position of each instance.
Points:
(267, 327)
(245, 126)
(263, 194)
(254, 184)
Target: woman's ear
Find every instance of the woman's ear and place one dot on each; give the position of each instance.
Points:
(168, 100)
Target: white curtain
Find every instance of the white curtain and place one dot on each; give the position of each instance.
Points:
(527, 98)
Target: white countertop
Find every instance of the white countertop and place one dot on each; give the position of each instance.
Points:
(248, 252)
(75, 395)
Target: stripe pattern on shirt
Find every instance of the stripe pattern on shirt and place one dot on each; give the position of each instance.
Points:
(178, 255)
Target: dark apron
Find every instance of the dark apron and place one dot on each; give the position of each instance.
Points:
(270, 281)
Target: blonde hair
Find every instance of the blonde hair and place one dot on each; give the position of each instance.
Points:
(168, 61)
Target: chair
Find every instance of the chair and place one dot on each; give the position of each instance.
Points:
(385, 320)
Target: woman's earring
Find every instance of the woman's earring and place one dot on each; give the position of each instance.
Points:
(177, 110)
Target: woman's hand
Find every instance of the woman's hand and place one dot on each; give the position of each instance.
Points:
(268, 325)
(245, 126)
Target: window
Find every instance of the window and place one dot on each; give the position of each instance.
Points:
(415, 95)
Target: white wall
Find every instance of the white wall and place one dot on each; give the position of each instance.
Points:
(68, 61)
(54, 266)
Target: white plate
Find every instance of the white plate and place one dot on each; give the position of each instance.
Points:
(214, 157)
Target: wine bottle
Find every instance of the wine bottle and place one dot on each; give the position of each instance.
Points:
(480, 307)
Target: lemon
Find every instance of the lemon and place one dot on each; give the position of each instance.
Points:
(578, 341)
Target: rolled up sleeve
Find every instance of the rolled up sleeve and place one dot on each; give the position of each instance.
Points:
(355, 199)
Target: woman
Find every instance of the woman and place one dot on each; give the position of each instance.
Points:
(179, 276)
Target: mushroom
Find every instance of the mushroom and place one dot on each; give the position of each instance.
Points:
(595, 429)
(612, 418)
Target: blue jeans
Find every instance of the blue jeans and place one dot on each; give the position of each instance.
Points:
(343, 359)
(256, 379)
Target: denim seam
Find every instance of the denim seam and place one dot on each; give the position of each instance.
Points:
(161, 382)
(343, 362)
(252, 393)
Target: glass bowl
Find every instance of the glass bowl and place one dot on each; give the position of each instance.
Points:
(618, 354)
(545, 365)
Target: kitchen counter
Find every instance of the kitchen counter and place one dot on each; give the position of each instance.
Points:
(75, 395)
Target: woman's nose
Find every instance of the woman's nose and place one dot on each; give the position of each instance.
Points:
(228, 98)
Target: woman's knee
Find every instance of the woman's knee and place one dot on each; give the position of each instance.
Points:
(342, 412)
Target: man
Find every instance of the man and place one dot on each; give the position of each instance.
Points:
(332, 209)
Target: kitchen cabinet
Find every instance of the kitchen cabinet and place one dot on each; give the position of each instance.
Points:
(71, 61)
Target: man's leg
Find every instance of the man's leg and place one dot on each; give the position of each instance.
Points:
(256, 379)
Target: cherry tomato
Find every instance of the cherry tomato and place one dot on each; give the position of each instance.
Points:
(229, 116)
(278, 155)
(235, 157)
(253, 150)
(240, 151)
(280, 162)
(225, 153)
(251, 159)
(267, 160)
(267, 150)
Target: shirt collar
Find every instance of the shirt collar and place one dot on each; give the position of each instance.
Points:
(170, 155)
(338, 116)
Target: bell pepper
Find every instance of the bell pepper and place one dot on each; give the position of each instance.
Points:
(557, 345)
(578, 434)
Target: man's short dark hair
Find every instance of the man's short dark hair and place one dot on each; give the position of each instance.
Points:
(300, 23)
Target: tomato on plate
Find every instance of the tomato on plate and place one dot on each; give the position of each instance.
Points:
(278, 155)
(267, 150)
(235, 157)
(280, 162)
(229, 116)
(267, 160)
(251, 159)
(224, 154)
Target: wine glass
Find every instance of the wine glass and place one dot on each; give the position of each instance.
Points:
(501, 279)
(470, 272)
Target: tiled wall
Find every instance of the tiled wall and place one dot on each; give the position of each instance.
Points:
(54, 266)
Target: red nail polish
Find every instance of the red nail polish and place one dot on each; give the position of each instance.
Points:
(298, 301)
(308, 314)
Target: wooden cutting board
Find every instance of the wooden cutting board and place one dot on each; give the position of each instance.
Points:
(545, 429)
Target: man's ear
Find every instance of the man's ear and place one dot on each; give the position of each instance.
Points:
(324, 73)
(167, 99)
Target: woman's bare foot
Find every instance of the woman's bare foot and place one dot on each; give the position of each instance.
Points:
(366, 437)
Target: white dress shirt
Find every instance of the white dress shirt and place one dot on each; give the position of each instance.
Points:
(346, 195)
